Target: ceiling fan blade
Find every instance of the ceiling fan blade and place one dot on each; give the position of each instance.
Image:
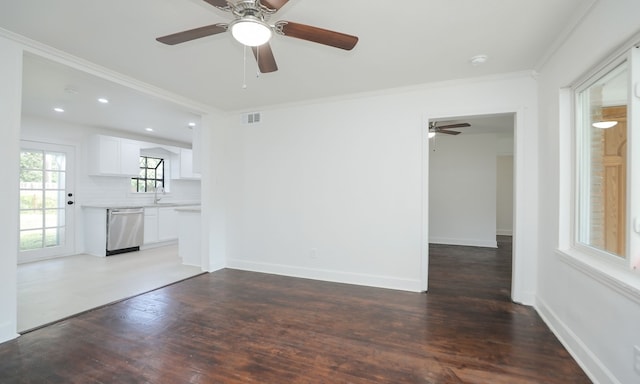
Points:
(193, 34)
(448, 132)
(265, 59)
(273, 4)
(317, 35)
(461, 125)
(222, 4)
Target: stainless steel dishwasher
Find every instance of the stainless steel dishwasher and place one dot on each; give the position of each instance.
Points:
(125, 230)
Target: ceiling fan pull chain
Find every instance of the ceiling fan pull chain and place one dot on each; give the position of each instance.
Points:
(244, 67)
(258, 62)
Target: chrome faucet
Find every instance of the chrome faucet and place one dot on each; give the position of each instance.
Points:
(156, 199)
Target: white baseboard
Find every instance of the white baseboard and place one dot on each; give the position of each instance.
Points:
(8, 332)
(216, 267)
(525, 298)
(327, 275)
(504, 232)
(465, 242)
(587, 360)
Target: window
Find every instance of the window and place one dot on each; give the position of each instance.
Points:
(151, 175)
(607, 170)
(602, 162)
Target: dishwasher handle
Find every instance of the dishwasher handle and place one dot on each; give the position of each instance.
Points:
(117, 213)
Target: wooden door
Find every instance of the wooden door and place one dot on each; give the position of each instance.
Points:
(615, 180)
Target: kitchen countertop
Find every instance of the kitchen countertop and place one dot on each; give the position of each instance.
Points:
(190, 209)
(143, 205)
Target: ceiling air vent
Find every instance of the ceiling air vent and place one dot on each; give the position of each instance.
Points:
(251, 118)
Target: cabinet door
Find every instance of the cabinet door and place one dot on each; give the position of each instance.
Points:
(183, 168)
(113, 156)
(107, 150)
(167, 224)
(186, 163)
(129, 158)
(150, 225)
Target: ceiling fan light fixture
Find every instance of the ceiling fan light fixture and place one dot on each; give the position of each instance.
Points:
(604, 124)
(251, 31)
(478, 60)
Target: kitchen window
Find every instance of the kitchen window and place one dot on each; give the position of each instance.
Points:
(151, 175)
(607, 163)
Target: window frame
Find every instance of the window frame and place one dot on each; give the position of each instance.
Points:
(580, 154)
(146, 179)
(622, 275)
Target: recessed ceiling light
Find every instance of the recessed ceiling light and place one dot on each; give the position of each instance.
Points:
(103, 100)
(478, 60)
(149, 129)
(192, 124)
(58, 109)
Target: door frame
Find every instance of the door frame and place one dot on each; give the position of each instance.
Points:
(524, 249)
(69, 247)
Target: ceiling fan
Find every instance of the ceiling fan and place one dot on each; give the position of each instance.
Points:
(250, 27)
(434, 128)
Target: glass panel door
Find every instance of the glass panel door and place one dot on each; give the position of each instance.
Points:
(46, 202)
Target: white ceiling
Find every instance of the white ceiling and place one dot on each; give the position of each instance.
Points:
(401, 44)
(48, 85)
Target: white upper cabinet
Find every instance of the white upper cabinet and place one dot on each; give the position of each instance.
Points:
(113, 156)
(182, 165)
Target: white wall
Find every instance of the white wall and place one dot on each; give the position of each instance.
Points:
(462, 190)
(597, 319)
(100, 189)
(333, 189)
(504, 195)
(10, 106)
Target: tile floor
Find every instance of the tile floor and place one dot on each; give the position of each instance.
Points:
(53, 289)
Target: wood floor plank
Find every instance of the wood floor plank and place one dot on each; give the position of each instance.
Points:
(242, 327)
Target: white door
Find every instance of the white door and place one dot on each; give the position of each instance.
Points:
(46, 201)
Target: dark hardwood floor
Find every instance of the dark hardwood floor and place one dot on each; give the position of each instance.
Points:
(242, 327)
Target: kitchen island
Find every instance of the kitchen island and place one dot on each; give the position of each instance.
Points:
(189, 248)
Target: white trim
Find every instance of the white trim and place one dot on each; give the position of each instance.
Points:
(524, 243)
(586, 359)
(8, 331)
(504, 232)
(566, 143)
(610, 274)
(377, 281)
(397, 90)
(424, 234)
(607, 61)
(10, 118)
(578, 16)
(609, 270)
(39, 49)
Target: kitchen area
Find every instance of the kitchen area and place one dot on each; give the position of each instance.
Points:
(118, 211)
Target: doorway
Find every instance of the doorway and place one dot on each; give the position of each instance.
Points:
(468, 203)
(46, 201)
